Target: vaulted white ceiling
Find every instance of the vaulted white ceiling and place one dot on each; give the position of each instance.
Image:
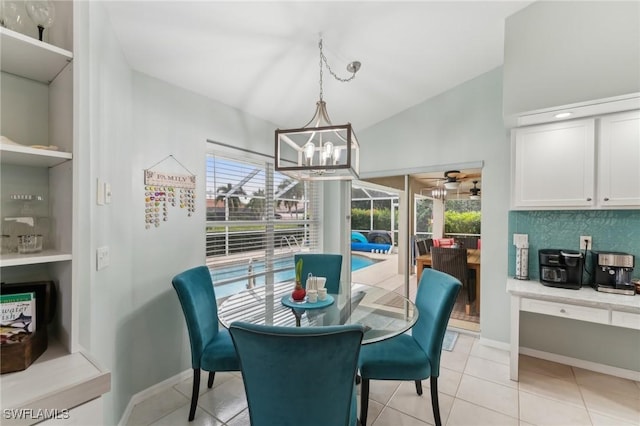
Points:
(263, 58)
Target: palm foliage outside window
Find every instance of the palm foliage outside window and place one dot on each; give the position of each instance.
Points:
(257, 219)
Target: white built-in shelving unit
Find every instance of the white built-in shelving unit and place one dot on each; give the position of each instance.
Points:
(37, 91)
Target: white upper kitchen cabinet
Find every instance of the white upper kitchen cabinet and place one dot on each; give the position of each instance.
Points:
(553, 165)
(619, 160)
(591, 163)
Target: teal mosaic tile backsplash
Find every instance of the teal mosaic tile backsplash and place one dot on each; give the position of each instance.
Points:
(611, 230)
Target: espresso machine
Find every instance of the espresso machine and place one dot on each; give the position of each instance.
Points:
(612, 272)
(561, 268)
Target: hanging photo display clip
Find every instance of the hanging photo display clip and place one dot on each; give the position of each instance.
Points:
(164, 189)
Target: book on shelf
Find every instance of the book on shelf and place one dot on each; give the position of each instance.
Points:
(17, 317)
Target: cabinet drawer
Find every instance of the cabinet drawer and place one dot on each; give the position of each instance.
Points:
(625, 319)
(566, 310)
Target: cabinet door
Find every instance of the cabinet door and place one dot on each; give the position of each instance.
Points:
(554, 165)
(619, 160)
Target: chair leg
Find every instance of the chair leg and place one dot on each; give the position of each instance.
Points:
(194, 393)
(212, 375)
(434, 401)
(364, 401)
(467, 307)
(419, 387)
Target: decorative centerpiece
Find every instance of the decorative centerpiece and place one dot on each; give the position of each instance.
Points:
(298, 293)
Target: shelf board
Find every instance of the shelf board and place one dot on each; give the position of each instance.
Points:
(56, 379)
(45, 256)
(30, 58)
(27, 156)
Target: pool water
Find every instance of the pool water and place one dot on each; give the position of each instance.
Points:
(359, 262)
(286, 273)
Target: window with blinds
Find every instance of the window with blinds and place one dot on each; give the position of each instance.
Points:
(257, 219)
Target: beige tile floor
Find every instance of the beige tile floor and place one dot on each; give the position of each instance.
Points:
(474, 390)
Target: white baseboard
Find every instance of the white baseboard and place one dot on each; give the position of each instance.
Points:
(495, 344)
(463, 330)
(580, 363)
(151, 391)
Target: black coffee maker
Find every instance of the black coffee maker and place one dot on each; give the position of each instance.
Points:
(561, 268)
(612, 272)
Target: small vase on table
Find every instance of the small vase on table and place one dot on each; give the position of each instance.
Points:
(298, 293)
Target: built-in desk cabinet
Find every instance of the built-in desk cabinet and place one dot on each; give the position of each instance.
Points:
(585, 304)
(578, 164)
(37, 97)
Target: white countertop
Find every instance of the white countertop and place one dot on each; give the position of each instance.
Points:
(586, 296)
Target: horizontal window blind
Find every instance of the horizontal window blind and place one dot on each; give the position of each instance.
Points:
(257, 219)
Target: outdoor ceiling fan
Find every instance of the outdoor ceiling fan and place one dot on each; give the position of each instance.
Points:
(451, 177)
(454, 177)
(451, 184)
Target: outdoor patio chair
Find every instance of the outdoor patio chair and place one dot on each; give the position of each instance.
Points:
(453, 261)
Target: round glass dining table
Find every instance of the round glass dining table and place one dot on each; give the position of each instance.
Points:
(383, 313)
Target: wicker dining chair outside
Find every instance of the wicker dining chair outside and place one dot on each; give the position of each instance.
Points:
(453, 261)
(421, 247)
(429, 244)
(468, 242)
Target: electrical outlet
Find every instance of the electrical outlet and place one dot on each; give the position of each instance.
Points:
(102, 257)
(585, 242)
(520, 240)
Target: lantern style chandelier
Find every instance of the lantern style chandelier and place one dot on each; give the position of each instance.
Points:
(320, 150)
(439, 193)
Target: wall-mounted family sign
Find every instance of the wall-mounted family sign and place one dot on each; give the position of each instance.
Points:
(164, 189)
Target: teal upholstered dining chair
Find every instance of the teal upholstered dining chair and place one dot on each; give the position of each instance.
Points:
(299, 375)
(322, 265)
(211, 348)
(414, 356)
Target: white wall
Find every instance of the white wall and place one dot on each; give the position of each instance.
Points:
(462, 125)
(130, 316)
(563, 52)
(106, 303)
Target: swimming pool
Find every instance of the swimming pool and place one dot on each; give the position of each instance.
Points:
(283, 266)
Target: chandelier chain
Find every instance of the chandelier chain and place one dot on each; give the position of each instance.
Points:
(323, 59)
